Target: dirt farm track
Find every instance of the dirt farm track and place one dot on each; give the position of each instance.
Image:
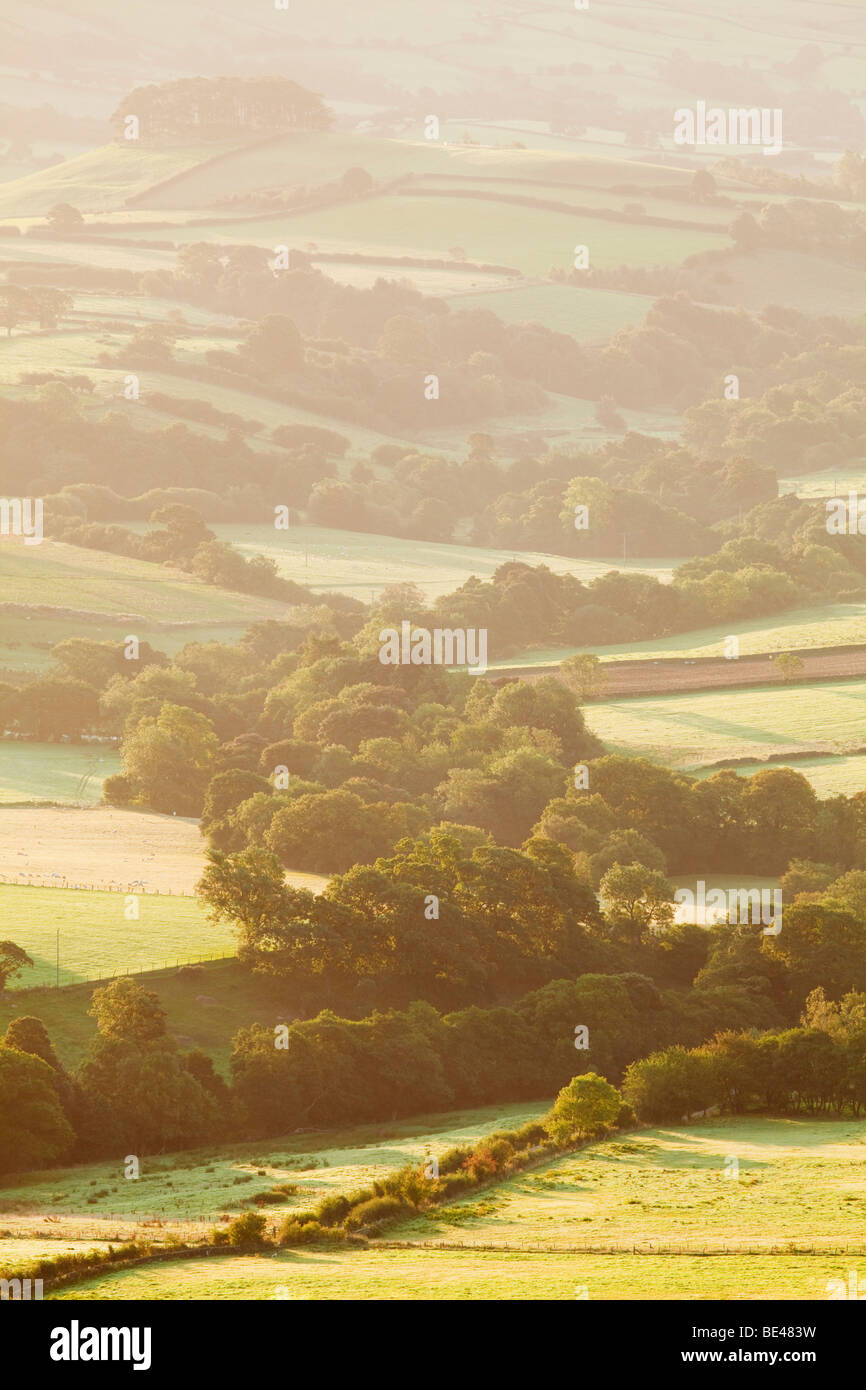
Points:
(669, 675)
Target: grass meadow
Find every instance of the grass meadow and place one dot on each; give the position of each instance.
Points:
(702, 727)
(797, 1186)
(530, 239)
(821, 625)
(201, 1184)
(360, 563)
(469, 1276)
(799, 1180)
(588, 315)
(97, 939)
(57, 772)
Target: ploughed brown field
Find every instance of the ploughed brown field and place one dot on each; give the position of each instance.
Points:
(672, 674)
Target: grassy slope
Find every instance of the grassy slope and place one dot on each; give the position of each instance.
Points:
(800, 1183)
(202, 1183)
(822, 625)
(95, 581)
(530, 239)
(102, 178)
(425, 1275)
(354, 562)
(670, 1185)
(588, 315)
(701, 727)
(97, 940)
(204, 1009)
(54, 772)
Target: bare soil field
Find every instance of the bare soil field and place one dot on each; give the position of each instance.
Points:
(668, 676)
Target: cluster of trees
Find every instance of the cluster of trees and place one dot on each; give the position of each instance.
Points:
(184, 541)
(730, 1038)
(42, 305)
(135, 1091)
(805, 224)
(210, 108)
(818, 1067)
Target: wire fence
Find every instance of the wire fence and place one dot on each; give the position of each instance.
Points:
(623, 1248)
(53, 880)
(121, 1227)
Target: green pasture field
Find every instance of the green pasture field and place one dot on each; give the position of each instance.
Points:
(96, 940)
(700, 727)
(96, 581)
(821, 625)
(799, 1180)
(793, 278)
(682, 209)
(59, 772)
(102, 178)
(311, 158)
(587, 315)
(449, 1275)
(530, 239)
(201, 1184)
(361, 563)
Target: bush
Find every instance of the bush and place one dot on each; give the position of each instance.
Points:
(332, 1210)
(301, 1231)
(531, 1133)
(452, 1184)
(453, 1159)
(118, 790)
(248, 1229)
(374, 1212)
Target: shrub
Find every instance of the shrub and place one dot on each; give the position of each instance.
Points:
(532, 1133)
(374, 1212)
(331, 1210)
(248, 1229)
(453, 1159)
(303, 1232)
(118, 790)
(452, 1184)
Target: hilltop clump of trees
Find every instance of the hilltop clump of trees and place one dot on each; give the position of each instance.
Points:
(211, 108)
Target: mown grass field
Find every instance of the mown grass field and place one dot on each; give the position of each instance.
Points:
(360, 563)
(532, 240)
(701, 727)
(201, 1184)
(97, 940)
(469, 1276)
(71, 577)
(821, 625)
(798, 1180)
(587, 315)
(102, 178)
(54, 771)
